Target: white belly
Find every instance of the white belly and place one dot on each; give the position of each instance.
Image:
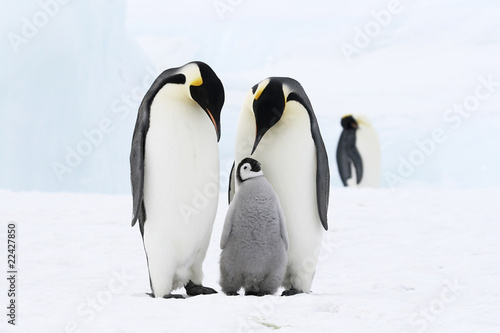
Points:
(181, 190)
(368, 146)
(288, 157)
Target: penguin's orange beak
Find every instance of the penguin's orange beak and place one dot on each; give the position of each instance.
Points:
(217, 130)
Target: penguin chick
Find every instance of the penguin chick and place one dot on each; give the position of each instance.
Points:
(254, 240)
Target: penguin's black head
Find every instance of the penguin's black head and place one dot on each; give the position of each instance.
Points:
(349, 123)
(207, 90)
(268, 106)
(248, 168)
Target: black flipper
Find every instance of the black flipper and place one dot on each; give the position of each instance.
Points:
(232, 185)
(348, 155)
(139, 141)
(322, 165)
(137, 166)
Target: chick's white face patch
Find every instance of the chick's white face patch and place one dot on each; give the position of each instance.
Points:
(247, 173)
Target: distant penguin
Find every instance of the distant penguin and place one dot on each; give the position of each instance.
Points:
(278, 127)
(254, 239)
(358, 153)
(175, 175)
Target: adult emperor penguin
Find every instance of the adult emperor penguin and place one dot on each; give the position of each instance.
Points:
(254, 238)
(358, 152)
(174, 165)
(278, 127)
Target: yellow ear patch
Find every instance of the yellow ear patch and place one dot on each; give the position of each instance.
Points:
(346, 115)
(259, 91)
(197, 82)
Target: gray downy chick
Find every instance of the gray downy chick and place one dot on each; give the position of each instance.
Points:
(254, 240)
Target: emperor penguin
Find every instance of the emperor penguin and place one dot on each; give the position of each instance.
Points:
(254, 238)
(174, 164)
(277, 126)
(358, 152)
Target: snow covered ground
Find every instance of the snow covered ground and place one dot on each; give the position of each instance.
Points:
(403, 260)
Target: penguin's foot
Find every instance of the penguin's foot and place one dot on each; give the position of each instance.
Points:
(196, 289)
(177, 296)
(232, 293)
(166, 296)
(292, 291)
(254, 293)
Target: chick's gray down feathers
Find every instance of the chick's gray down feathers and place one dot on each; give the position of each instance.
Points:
(254, 240)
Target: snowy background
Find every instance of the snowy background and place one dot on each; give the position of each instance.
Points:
(72, 74)
(91, 62)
